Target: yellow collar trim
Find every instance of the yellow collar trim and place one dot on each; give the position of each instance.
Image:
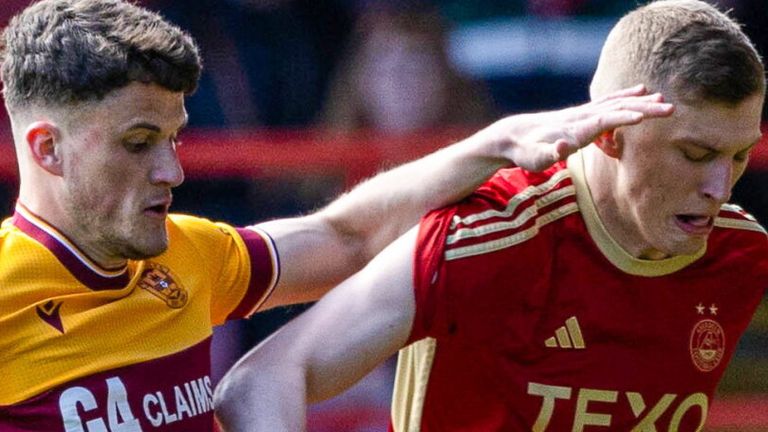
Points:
(607, 245)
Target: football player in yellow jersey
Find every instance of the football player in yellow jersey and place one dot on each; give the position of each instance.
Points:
(108, 300)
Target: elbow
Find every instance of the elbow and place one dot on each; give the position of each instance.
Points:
(259, 394)
(228, 398)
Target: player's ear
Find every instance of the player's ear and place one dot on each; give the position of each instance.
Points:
(44, 141)
(610, 143)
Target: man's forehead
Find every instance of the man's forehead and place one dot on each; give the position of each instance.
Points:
(137, 105)
(718, 124)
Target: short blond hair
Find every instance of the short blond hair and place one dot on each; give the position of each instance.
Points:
(686, 49)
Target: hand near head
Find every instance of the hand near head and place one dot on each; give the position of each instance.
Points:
(536, 141)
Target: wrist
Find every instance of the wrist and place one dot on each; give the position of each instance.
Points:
(497, 142)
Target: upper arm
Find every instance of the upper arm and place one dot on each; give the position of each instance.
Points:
(353, 328)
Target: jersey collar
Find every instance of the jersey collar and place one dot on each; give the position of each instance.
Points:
(607, 244)
(78, 263)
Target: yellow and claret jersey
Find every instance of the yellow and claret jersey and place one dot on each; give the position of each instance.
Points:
(530, 317)
(85, 349)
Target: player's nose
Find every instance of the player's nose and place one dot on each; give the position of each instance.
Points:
(167, 168)
(718, 181)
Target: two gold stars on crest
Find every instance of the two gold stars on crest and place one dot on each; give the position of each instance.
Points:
(700, 308)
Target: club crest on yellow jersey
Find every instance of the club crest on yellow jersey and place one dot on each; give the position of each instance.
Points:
(160, 282)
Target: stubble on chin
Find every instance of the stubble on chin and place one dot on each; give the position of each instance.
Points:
(146, 245)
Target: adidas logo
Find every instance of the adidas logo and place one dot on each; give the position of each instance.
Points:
(567, 336)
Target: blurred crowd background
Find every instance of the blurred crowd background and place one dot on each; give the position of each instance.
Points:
(396, 68)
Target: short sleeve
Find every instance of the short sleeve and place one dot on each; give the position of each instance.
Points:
(432, 300)
(238, 267)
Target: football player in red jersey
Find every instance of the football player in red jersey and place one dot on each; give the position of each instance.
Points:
(108, 300)
(606, 292)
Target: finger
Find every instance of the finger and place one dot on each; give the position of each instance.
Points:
(586, 130)
(652, 105)
(647, 107)
(564, 148)
(631, 91)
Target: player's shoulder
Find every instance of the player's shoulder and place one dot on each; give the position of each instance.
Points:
(510, 209)
(191, 223)
(517, 182)
(739, 230)
(7, 228)
(734, 218)
(204, 233)
(11, 240)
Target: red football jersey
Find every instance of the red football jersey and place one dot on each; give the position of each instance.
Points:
(536, 320)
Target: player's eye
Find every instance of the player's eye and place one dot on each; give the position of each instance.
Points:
(741, 157)
(698, 155)
(136, 146)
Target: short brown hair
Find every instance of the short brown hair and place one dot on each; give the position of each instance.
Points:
(59, 52)
(685, 48)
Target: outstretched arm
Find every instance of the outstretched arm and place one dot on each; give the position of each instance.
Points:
(325, 350)
(320, 250)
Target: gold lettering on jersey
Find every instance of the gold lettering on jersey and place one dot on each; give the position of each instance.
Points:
(160, 281)
(586, 418)
(549, 393)
(648, 423)
(696, 399)
(583, 417)
(707, 345)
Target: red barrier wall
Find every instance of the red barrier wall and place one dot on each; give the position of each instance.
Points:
(254, 153)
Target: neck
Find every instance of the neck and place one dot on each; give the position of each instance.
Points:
(602, 177)
(52, 213)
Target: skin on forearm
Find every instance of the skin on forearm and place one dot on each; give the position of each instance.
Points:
(384, 207)
(320, 250)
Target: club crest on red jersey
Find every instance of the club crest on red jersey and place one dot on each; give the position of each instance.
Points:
(160, 282)
(707, 344)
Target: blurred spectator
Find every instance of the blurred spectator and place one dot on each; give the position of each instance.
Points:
(554, 8)
(753, 14)
(266, 62)
(396, 76)
(476, 10)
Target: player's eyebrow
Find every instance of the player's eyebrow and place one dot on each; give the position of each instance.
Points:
(144, 125)
(155, 128)
(708, 147)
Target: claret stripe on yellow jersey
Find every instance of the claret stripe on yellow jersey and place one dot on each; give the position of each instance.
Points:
(65, 330)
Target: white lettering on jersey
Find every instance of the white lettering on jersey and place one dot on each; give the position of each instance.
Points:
(121, 418)
(68, 402)
(184, 401)
(119, 415)
(160, 408)
(583, 417)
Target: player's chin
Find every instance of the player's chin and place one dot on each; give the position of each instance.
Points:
(148, 247)
(687, 246)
